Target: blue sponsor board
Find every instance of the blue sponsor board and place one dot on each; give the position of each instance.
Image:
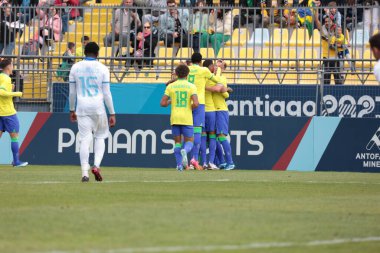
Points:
(305, 100)
(258, 143)
(251, 100)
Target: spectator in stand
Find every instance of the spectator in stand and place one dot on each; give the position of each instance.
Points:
(281, 16)
(339, 42)
(64, 13)
(74, 12)
(198, 24)
(7, 33)
(146, 43)
(121, 25)
(334, 14)
(330, 63)
(26, 11)
(249, 14)
(174, 25)
(220, 29)
(64, 69)
(265, 13)
(50, 27)
(70, 52)
(79, 52)
(157, 8)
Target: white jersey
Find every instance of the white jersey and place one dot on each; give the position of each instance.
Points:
(376, 71)
(90, 88)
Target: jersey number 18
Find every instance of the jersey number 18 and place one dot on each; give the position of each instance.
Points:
(181, 98)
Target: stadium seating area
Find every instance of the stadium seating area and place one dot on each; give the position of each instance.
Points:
(254, 56)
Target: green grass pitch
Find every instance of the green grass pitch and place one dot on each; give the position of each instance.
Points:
(45, 209)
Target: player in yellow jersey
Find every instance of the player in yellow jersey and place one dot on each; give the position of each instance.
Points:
(209, 129)
(182, 95)
(199, 76)
(219, 97)
(8, 118)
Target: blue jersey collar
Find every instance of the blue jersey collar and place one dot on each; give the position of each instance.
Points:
(90, 59)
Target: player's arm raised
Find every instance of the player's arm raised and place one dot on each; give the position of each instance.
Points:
(108, 97)
(72, 95)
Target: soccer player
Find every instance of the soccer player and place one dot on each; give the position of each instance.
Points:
(90, 90)
(199, 75)
(210, 118)
(374, 42)
(8, 115)
(182, 95)
(222, 118)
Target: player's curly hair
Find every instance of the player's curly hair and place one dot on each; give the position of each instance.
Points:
(5, 62)
(182, 71)
(91, 49)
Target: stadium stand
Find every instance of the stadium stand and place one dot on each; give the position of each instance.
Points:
(291, 54)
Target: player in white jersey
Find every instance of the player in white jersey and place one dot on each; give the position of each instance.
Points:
(90, 90)
(374, 43)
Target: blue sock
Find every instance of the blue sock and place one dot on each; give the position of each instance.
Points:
(204, 148)
(177, 154)
(212, 147)
(227, 149)
(15, 150)
(188, 146)
(219, 153)
(197, 146)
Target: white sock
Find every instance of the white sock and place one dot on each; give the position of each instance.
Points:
(99, 149)
(84, 153)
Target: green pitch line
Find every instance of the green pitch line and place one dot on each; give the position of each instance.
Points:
(46, 209)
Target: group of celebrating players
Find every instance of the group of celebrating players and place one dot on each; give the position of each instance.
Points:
(199, 114)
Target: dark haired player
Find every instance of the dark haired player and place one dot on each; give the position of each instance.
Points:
(90, 90)
(8, 115)
(182, 95)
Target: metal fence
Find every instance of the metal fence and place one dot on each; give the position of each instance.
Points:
(260, 46)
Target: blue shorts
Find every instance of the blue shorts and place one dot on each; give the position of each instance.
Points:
(9, 124)
(199, 116)
(210, 122)
(186, 131)
(222, 122)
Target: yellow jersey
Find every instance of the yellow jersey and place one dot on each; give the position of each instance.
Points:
(180, 93)
(209, 102)
(6, 96)
(198, 76)
(339, 40)
(220, 98)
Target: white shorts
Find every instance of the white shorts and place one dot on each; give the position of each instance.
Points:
(93, 125)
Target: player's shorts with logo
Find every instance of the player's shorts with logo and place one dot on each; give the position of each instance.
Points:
(9, 124)
(199, 116)
(210, 122)
(222, 122)
(186, 131)
(93, 124)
